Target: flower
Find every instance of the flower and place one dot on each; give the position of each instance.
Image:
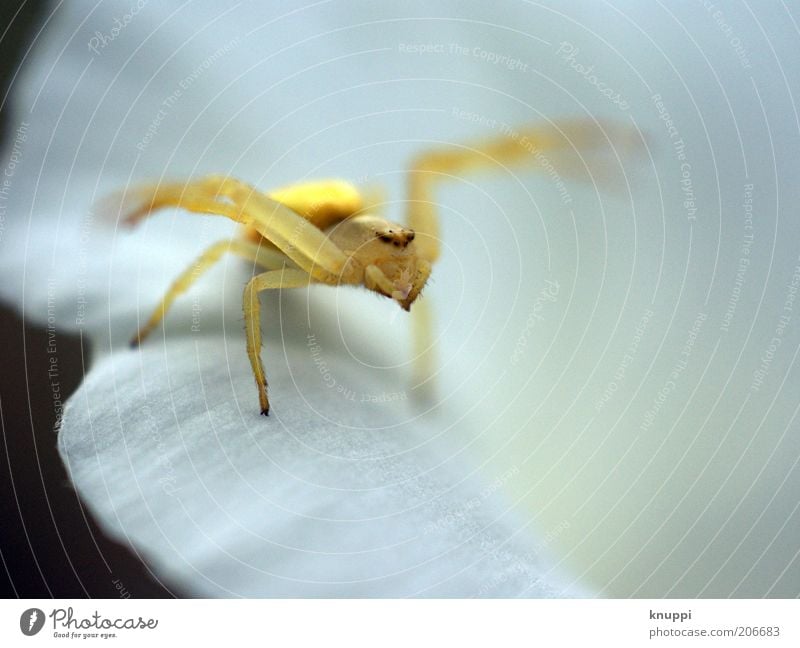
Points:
(349, 488)
(617, 384)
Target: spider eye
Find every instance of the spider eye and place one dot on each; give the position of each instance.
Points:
(384, 237)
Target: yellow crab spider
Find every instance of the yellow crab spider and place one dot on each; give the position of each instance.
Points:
(322, 232)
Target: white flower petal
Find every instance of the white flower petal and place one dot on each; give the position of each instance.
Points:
(327, 496)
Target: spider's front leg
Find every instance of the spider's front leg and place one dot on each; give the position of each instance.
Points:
(529, 145)
(298, 238)
(264, 281)
(524, 146)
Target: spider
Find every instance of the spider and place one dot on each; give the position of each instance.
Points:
(323, 232)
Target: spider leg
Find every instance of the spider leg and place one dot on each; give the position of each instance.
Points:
(445, 163)
(264, 257)
(265, 281)
(284, 227)
(296, 237)
(423, 347)
(512, 147)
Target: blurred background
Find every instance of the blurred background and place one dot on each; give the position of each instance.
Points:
(618, 322)
(49, 546)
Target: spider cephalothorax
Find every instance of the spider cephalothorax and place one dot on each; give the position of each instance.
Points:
(382, 256)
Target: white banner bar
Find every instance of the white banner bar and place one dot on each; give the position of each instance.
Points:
(400, 623)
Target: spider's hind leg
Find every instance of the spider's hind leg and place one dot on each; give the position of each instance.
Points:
(249, 251)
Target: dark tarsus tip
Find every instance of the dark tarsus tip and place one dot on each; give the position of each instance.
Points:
(265, 412)
(134, 343)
